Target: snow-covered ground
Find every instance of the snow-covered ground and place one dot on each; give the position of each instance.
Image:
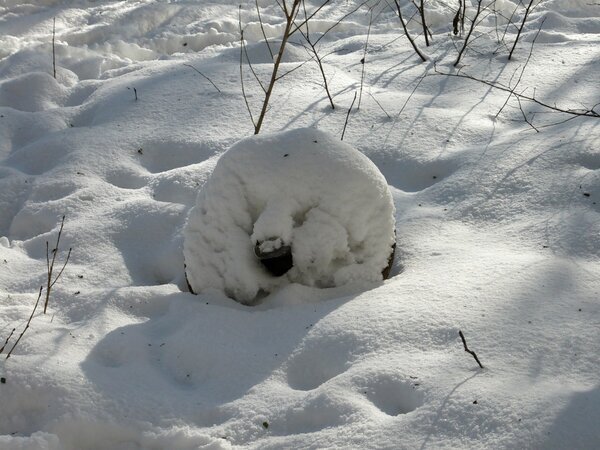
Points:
(498, 233)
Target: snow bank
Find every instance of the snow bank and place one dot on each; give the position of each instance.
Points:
(301, 194)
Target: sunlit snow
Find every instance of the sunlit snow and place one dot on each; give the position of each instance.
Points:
(497, 229)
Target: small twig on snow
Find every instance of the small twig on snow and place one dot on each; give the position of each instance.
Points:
(462, 337)
(201, 74)
(363, 61)
(423, 23)
(521, 75)
(348, 116)
(7, 339)
(315, 55)
(241, 67)
(521, 28)
(27, 325)
(464, 47)
(407, 34)
(262, 29)
(379, 104)
(50, 265)
(575, 112)
(53, 46)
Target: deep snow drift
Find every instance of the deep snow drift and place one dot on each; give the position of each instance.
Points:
(304, 190)
(498, 233)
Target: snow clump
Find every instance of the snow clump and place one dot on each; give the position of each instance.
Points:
(293, 207)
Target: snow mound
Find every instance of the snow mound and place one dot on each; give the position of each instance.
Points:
(300, 200)
(36, 91)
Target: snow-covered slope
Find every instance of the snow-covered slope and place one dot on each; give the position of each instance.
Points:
(498, 233)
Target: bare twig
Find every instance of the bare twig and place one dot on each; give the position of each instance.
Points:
(462, 17)
(7, 339)
(27, 325)
(241, 66)
(256, 77)
(464, 47)
(410, 96)
(509, 95)
(293, 69)
(529, 122)
(379, 104)
(290, 16)
(262, 29)
(423, 23)
(575, 112)
(50, 264)
(522, 72)
(53, 46)
(408, 36)
(201, 74)
(340, 20)
(348, 116)
(363, 61)
(509, 21)
(135, 96)
(316, 56)
(462, 337)
(456, 20)
(521, 28)
(315, 12)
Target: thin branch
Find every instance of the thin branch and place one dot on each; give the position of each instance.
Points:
(278, 4)
(462, 337)
(61, 270)
(53, 46)
(410, 96)
(201, 74)
(363, 61)
(27, 325)
(423, 23)
(523, 70)
(50, 265)
(340, 20)
(279, 77)
(379, 104)
(7, 339)
(462, 17)
(509, 95)
(348, 116)
(241, 66)
(408, 36)
(469, 34)
(456, 20)
(495, 85)
(252, 67)
(290, 17)
(262, 29)
(314, 13)
(521, 28)
(316, 56)
(525, 116)
(509, 21)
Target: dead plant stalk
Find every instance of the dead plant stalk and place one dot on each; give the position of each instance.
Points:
(290, 15)
(50, 264)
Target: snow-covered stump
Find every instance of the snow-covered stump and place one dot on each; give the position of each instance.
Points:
(292, 207)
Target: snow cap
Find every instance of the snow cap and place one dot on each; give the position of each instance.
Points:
(301, 191)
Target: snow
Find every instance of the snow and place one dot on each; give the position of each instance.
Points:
(498, 233)
(302, 189)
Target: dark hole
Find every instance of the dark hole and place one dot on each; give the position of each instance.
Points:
(277, 262)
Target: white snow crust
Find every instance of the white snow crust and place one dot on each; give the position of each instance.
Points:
(304, 189)
(498, 231)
